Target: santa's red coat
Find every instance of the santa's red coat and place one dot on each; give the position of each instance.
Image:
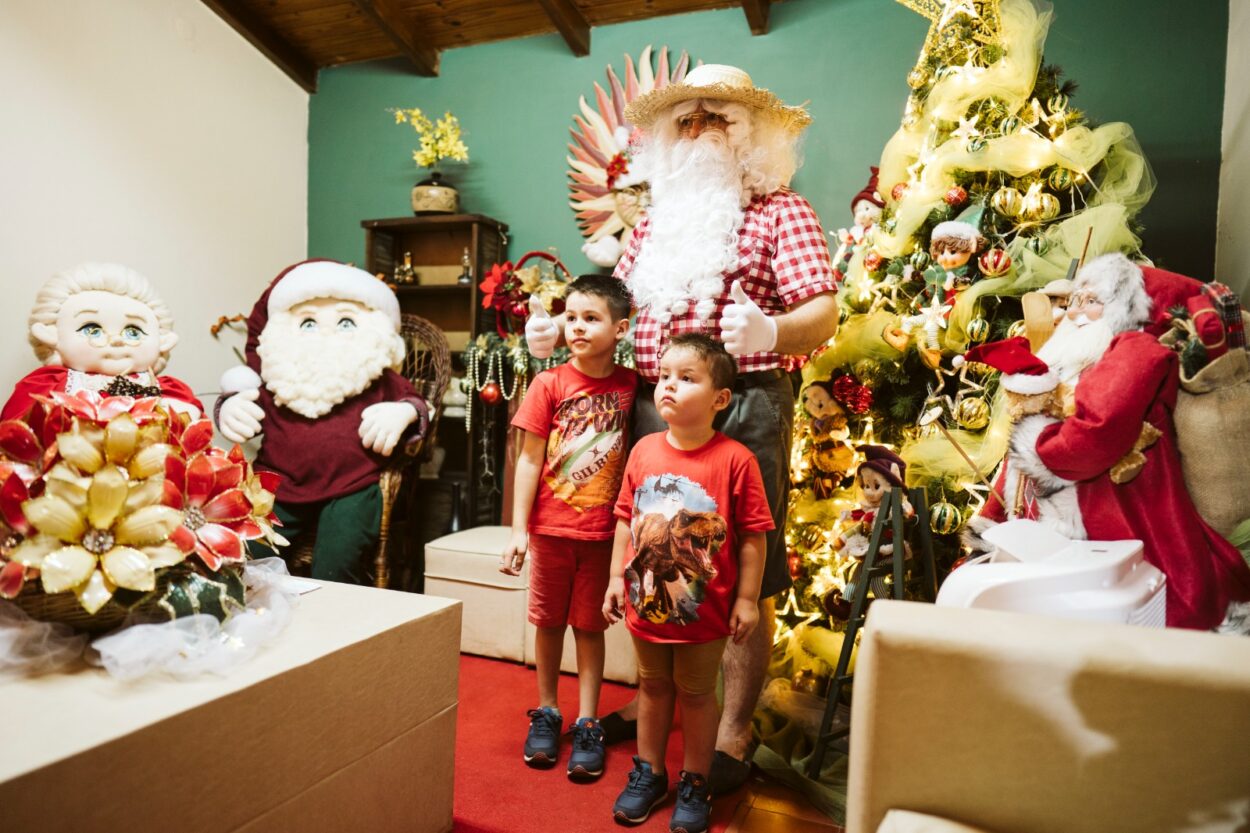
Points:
(1136, 381)
(53, 377)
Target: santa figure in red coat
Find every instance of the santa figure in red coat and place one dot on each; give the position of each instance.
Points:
(1116, 448)
(101, 327)
(320, 384)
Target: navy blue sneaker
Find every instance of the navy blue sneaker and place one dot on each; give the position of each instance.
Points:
(542, 744)
(694, 804)
(586, 760)
(643, 792)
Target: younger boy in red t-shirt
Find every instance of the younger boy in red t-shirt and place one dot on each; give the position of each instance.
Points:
(686, 569)
(575, 420)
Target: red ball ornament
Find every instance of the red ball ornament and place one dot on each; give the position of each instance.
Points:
(955, 197)
(491, 394)
(995, 263)
(959, 562)
(794, 562)
(872, 261)
(898, 191)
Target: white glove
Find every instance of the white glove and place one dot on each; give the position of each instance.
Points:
(541, 330)
(744, 327)
(382, 425)
(240, 416)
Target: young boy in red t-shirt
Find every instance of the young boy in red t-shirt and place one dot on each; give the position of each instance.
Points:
(575, 420)
(686, 569)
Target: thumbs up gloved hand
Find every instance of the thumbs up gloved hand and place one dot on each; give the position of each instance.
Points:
(541, 330)
(744, 327)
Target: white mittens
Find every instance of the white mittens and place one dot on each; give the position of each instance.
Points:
(744, 327)
(382, 425)
(240, 416)
(541, 330)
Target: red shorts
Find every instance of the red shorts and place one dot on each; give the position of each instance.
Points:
(568, 580)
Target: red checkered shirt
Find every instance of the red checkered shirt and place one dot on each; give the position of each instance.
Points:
(782, 259)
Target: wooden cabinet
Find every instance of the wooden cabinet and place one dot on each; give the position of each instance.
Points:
(438, 243)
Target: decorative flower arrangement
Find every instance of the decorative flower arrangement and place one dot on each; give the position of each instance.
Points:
(440, 139)
(117, 500)
(507, 289)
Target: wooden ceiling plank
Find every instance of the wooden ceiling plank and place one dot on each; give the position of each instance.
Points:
(757, 15)
(285, 56)
(570, 23)
(401, 29)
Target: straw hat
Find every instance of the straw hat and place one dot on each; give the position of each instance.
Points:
(720, 83)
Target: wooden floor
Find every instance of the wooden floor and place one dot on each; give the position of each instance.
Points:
(772, 807)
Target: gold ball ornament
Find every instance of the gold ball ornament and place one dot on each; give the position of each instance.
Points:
(1008, 202)
(978, 330)
(972, 413)
(994, 263)
(918, 77)
(1041, 206)
(1017, 328)
(1061, 179)
(945, 518)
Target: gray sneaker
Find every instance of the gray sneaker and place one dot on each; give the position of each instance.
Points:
(542, 744)
(642, 793)
(586, 760)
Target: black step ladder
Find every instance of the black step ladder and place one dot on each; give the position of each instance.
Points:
(835, 734)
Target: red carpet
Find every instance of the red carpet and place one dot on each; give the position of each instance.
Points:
(497, 793)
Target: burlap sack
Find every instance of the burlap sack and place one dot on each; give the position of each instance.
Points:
(1213, 435)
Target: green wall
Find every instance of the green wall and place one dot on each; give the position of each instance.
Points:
(1135, 60)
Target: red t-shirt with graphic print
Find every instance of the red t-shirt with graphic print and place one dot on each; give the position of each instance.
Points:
(586, 423)
(687, 512)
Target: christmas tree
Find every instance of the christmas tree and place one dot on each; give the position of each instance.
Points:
(993, 185)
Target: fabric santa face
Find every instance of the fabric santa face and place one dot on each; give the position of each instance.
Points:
(325, 333)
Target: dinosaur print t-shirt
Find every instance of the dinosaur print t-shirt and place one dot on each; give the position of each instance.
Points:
(687, 511)
(586, 423)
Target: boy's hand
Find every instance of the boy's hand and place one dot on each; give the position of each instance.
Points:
(743, 619)
(513, 557)
(614, 601)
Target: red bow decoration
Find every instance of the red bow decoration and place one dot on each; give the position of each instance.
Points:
(852, 395)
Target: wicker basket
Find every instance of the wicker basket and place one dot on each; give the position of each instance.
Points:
(66, 609)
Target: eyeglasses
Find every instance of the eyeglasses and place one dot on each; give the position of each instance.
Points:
(1081, 299)
(702, 119)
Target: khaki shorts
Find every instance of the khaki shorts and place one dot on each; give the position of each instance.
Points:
(692, 666)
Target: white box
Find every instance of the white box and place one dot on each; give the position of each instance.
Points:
(465, 566)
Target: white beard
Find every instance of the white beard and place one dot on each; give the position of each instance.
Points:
(311, 372)
(696, 212)
(1074, 347)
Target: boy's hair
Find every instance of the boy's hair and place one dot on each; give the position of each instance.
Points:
(609, 289)
(720, 364)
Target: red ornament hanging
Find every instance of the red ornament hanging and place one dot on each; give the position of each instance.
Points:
(872, 261)
(995, 263)
(795, 562)
(491, 394)
(898, 191)
(955, 197)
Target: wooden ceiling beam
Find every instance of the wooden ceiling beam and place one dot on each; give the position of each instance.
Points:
(757, 15)
(402, 31)
(285, 56)
(571, 24)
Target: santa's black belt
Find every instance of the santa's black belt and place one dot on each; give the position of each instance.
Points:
(758, 378)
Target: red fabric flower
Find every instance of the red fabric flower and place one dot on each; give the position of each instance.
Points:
(617, 168)
(495, 285)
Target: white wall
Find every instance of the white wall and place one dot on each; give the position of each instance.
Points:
(149, 133)
(1232, 244)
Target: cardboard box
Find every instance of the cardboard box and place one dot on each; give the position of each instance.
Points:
(465, 566)
(346, 723)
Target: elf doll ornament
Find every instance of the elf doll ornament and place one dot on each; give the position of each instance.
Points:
(320, 382)
(101, 327)
(1117, 448)
(952, 244)
(866, 207)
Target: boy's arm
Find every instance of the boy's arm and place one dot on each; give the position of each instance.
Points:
(529, 467)
(614, 600)
(745, 613)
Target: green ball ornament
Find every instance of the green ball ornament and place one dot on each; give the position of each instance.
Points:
(920, 260)
(1038, 245)
(976, 145)
(1057, 102)
(945, 518)
(978, 330)
(1008, 202)
(1061, 179)
(972, 413)
(1010, 125)
(890, 225)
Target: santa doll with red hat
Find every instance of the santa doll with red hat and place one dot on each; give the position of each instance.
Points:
(320, 383)
(1116, 448)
